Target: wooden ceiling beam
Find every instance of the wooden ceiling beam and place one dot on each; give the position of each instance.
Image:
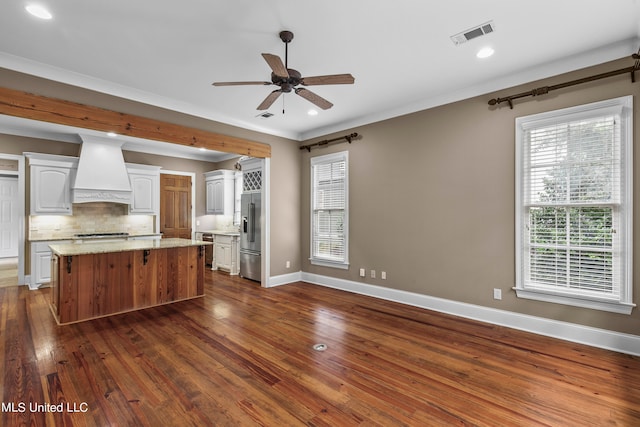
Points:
(52, 110)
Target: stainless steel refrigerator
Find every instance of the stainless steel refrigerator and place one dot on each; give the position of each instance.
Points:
(250, 232)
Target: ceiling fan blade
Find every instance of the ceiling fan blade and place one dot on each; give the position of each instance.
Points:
(270, 99)
(240, 83)
(334, 79)
(276, 65)
(314, 98)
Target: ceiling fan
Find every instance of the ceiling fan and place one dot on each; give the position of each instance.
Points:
(288, 79)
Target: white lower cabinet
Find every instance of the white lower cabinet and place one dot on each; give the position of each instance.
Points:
(226, 253)
(41, 262)
(223, 256)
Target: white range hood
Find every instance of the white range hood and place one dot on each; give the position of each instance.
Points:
(102, 175)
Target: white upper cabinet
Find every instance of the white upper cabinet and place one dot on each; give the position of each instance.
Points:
(219, 186)
(51, 178)
(145, 184)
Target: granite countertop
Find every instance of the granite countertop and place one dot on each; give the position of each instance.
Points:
(49, 239)
(70, 249)
(225, 232)
(72, 237)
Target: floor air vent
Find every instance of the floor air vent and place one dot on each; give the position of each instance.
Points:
(472, 33)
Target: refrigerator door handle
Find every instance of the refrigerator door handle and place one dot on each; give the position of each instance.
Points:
(244, 223)
(252, 218)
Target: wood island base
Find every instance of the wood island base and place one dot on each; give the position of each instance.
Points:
(92, 285)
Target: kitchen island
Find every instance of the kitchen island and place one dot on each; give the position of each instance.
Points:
(91, 280)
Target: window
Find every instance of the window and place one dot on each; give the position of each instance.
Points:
(573, 206)
(329, 210)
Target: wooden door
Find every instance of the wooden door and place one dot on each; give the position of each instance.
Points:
(175, 206)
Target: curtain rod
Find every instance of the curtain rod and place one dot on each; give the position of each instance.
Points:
(546, 89)
(347, 138)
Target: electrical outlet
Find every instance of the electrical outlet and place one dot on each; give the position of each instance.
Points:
(383, 275)
(288, 264)
(362, 272)
(373, 274)
(497, 293)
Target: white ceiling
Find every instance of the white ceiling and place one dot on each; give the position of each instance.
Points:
(167, 53)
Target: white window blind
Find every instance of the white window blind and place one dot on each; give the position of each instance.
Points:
(329, 181)
(573, 212)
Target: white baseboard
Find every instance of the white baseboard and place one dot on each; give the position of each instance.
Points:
(32, 286)
(284, 279)
(27, 281)
(601, 338)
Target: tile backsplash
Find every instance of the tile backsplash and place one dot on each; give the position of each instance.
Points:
(90, 218)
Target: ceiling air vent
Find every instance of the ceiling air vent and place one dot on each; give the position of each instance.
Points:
(472, 33)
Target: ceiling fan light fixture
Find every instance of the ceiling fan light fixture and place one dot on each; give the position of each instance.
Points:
(312, 112)
(38, 11)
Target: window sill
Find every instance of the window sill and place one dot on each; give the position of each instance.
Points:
(585, 302)
(326, 263)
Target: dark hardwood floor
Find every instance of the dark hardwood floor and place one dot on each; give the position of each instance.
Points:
(242, 355)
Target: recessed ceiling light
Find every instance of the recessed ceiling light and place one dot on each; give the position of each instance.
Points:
(485, 52)
(312, 112)
(38, 11)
